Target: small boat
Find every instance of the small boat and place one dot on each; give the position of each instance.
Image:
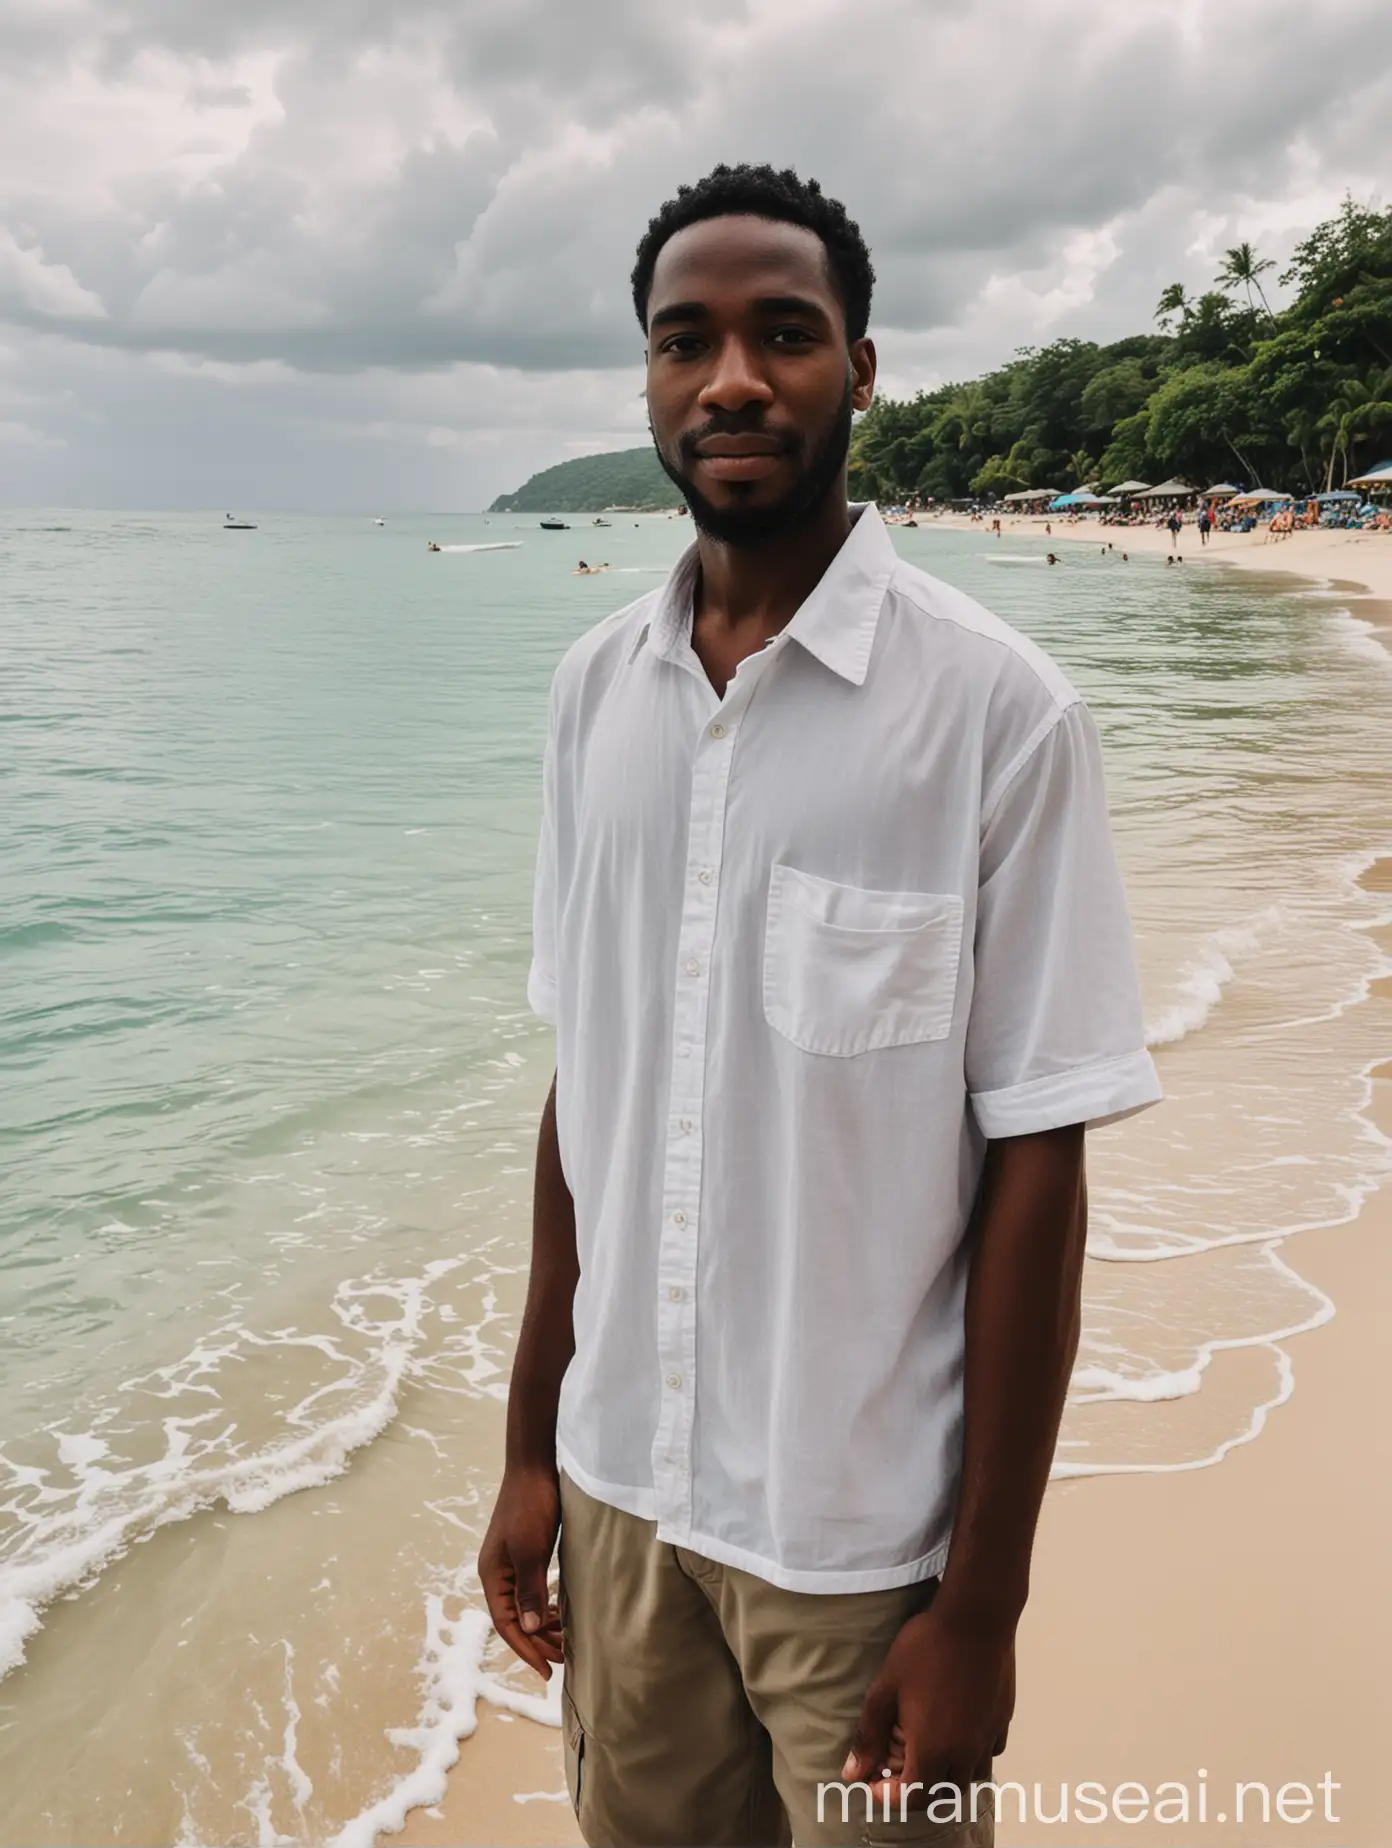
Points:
(554, 526)
(378, 522)
(229, 525)
(601, 522)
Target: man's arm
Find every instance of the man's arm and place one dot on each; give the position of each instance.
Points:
(521, 1537)
(941, 1705)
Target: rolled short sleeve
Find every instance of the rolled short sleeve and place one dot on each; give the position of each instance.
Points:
(1056, 1034)
(541, 978)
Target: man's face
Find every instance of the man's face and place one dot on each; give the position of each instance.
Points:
(751, 384)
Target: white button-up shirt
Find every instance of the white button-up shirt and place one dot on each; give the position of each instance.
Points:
(806, 946)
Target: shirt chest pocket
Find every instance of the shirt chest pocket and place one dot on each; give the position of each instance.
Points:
(849, 970)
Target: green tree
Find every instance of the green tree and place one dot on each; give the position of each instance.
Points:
(1243, 268)
(1114, 393)
(1173, 306)
(1359, 407)
(1231, 387)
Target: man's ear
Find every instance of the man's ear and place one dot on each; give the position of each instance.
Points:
(863, 365)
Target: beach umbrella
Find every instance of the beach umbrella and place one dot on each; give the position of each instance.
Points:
(1380, 477)
(1168, 490)
(1258, 497)
(1219, 491)
(1131, 487)
(1338, 494)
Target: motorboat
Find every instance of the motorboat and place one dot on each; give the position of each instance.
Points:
(554, 526)
(229, 525)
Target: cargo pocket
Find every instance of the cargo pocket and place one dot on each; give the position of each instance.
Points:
(918, 1831)
(848, 970)
(573, 1747)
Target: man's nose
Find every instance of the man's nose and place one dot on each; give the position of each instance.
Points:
(737, 380)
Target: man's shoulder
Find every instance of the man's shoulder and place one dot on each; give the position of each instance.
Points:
(601, 650)
(963, 632)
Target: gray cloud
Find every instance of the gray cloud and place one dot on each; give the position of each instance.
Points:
(412, 225)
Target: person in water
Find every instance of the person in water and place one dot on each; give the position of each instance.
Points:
(829, 925)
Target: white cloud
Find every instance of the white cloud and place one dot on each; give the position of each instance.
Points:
(389, 245)
(29, 281)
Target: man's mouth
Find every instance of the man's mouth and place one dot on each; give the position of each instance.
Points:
(748, 444)
(748, 456)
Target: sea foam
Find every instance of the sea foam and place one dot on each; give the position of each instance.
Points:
(454, 1681)
(1200, 983)
(71, 1537)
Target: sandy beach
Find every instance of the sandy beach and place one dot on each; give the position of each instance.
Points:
(1210, 1626)
(1360, 563)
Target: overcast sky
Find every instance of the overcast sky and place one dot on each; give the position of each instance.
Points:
(373, 254)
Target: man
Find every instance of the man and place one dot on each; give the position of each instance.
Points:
(829, 924)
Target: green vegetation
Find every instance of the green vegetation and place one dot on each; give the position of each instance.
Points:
(1228, 389)
(589, 484)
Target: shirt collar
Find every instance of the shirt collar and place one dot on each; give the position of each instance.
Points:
(836, 623)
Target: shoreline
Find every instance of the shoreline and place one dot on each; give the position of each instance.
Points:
(1220, 1619)
(1356, 564)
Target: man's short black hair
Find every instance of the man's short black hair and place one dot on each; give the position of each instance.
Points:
(762, 192)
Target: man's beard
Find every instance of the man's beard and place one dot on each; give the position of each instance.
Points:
(751, 526)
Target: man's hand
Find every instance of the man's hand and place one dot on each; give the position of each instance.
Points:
(513, 1563)
(948, 1682)
(937, 1712)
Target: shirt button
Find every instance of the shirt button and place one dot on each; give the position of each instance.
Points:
(693, 966)
(674, 1381)
(679, 1218)
(677, 1293)
(706, 874)
(717, 730)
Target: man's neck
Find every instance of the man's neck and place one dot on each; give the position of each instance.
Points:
(759, 589)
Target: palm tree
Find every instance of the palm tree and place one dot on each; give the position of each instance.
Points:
(1357, 410)
(1242, 265)
(1081, 465)
(1173, 302)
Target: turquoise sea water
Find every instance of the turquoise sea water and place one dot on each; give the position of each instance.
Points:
(268, 1088)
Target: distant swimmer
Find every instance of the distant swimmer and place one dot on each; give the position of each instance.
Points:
(1126, 558)
(431, 546)
(1052, 560)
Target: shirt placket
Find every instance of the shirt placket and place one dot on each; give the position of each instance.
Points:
(681, 1187)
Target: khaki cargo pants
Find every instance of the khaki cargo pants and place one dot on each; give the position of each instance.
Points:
(704, 1706)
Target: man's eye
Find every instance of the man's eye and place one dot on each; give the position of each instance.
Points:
(683, 345)
(792, 336)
